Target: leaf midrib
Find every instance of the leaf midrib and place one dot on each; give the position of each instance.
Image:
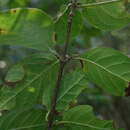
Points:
(83, 125)
(26, 127)
(67, 90)
(87, 60)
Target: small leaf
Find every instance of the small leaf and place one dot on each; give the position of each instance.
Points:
(15, 74)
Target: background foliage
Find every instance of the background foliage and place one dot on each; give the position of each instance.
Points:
(84, 37)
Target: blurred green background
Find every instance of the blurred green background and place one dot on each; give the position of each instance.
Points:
(105, 105)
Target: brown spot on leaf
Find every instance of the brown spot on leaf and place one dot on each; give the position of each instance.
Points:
(13, 10)
(10, 84)
(73, 104)
(127, 91)
(1, 30)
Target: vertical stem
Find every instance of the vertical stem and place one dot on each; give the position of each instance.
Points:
(69, 26)
(54, 98)
(63, 62)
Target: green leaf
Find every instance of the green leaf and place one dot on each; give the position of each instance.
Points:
(108, 68)
(32, 119)
(29, 92)
(71, 86)
(15, 74)
(107, 16)
(27, 27)
(82, 118)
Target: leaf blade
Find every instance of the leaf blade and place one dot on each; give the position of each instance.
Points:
(114, 16)
(99, 68)
(23, 119)
(82, 118)
(28, 27)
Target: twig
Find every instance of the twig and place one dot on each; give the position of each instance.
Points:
(63, 62)
(69, 28)
(54, 98)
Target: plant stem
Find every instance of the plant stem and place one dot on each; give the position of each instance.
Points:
(69, 26)
(97, 4)
(63, 61)
(54, 99)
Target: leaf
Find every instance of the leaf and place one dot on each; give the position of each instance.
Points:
(82, 118)
(71, 86)
(28, 27)
(107, 16)
(32, 119)
(108, 68)
(29, 92)
(15, 74)
(41, 76)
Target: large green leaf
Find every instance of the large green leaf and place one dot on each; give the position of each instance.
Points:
(29, 91)
(108, 68)
(26, 27)
(107, 16)
(82, 118)
(31, 119)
